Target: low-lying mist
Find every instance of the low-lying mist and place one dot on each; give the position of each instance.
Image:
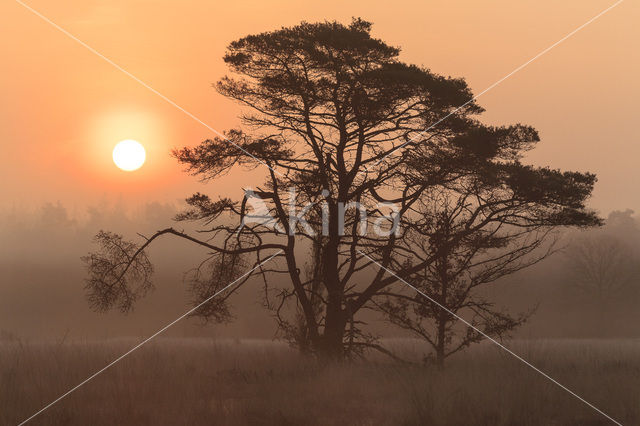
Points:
(42, 295)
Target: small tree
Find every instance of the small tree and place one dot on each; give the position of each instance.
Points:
(601, 268)
(465, 262)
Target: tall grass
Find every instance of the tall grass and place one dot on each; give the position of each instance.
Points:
(198, 381)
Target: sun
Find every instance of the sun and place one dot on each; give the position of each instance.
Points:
(129, 155)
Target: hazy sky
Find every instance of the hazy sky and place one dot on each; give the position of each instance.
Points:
(63, 108)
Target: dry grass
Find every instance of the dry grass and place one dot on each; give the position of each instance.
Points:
(182, 381)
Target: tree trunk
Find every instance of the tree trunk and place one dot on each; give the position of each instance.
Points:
(331, 344)
(440, 341)
(442, 317)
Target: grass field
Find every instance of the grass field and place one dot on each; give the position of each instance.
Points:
(206, 382)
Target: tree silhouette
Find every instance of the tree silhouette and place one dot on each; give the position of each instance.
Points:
(346, 132)
(602, 268)
(465, 262)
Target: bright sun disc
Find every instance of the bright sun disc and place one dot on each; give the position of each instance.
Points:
(129, 155)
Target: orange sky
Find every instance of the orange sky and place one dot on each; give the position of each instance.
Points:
(63, 108)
